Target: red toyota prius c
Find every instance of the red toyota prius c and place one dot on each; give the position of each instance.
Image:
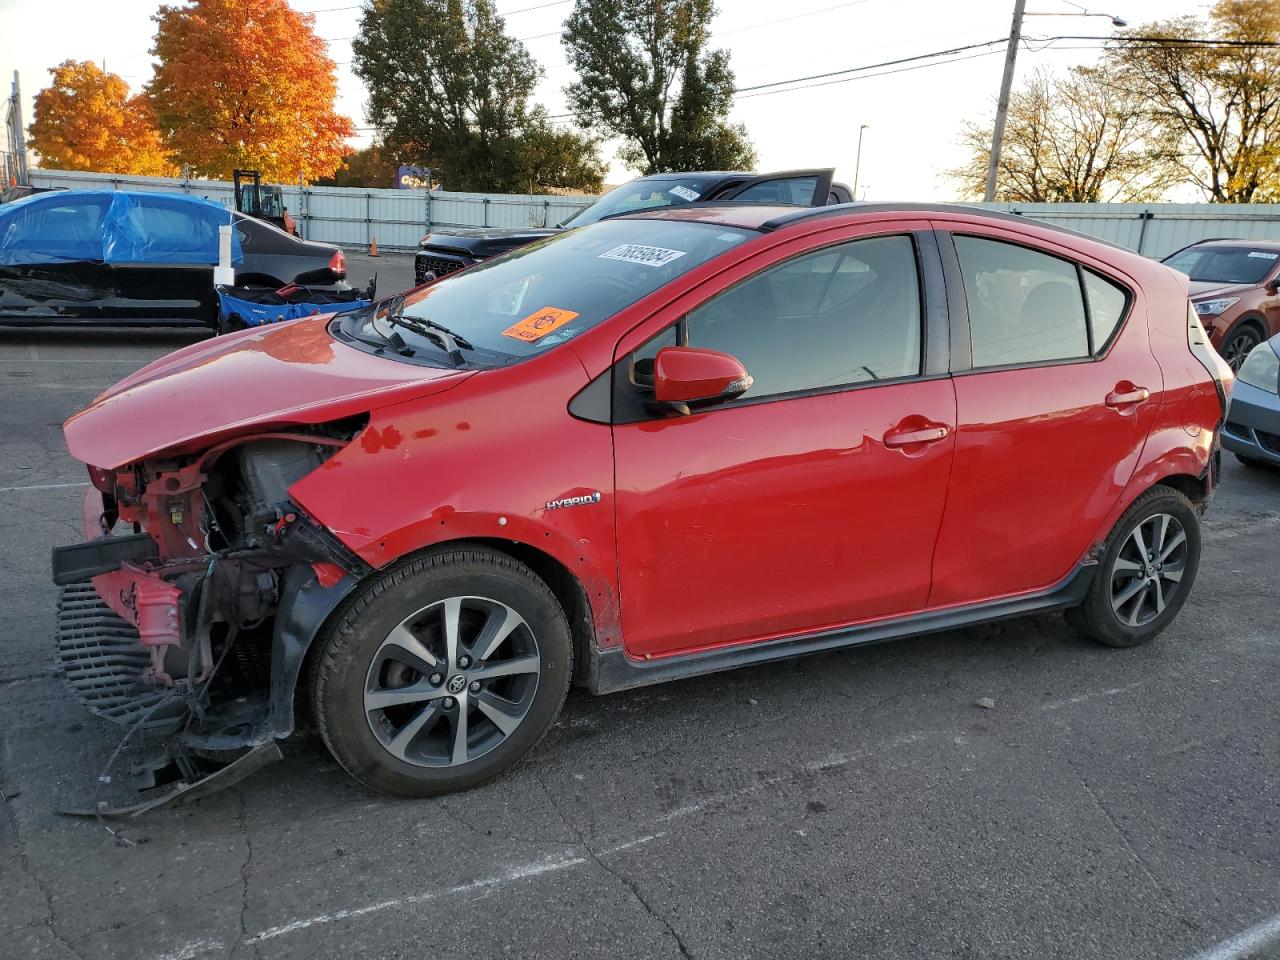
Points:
(660, 445)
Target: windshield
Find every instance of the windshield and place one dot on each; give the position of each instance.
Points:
(643, 194)
(1224, 264)
(546, 293)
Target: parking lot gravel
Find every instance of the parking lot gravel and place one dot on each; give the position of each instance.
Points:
(1004, 791)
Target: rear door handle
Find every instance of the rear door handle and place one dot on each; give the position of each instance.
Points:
(905, 438)
(1124, 398)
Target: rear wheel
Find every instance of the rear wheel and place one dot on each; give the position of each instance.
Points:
(443, 673)
(1147, 570)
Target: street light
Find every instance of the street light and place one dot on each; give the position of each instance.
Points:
(1006, 85)
(857, 165)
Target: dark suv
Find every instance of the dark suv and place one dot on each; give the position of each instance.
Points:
(442, 252)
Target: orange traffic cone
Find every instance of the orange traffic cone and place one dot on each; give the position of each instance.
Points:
(373, 247)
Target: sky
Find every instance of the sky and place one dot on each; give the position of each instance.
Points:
(913, 116)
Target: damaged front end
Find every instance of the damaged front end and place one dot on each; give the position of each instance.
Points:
(188, 612)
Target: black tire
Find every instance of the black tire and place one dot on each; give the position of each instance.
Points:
(1239, 340)
(350, 645)
(1097, 618)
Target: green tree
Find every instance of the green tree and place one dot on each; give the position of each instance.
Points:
(372, 166)
(453, 91)
(645, 75)
(1072, 139)
(1218, 106)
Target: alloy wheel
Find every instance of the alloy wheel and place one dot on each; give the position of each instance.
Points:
(1238, 347)
(452, 681)
(1148, 569)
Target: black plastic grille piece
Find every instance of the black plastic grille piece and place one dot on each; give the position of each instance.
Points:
(104, 661)
(440, 266)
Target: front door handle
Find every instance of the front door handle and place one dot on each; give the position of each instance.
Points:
(906, 438)
(1126, 394)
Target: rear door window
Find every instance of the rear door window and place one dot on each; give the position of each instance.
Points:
(792, 191)
(1024, 306)
(53, 231)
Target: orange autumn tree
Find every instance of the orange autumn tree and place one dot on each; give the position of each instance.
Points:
(246, 83)
(86, 120)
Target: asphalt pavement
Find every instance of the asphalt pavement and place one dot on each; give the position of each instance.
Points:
(1110, 804)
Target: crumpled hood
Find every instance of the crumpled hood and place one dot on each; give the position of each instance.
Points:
(1202, 289)
(290, 373)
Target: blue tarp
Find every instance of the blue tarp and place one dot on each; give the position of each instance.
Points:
(252, 314)
(113, 226)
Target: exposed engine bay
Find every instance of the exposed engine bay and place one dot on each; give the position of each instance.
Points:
(168, 620)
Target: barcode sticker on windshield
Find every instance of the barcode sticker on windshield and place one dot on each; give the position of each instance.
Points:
(639, 253)
(538, 324)
(1263, 256)
(684, 193)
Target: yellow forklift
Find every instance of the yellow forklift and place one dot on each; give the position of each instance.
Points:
(262, 203)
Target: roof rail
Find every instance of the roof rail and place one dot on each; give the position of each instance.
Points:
(862, 206)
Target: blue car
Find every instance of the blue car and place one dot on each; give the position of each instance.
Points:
(121, 257)
(1252, 430)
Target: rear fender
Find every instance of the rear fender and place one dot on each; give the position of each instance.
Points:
(1170, 452)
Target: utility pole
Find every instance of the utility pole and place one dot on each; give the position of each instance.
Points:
(1002, 108)
(857, 164)
(14, 136)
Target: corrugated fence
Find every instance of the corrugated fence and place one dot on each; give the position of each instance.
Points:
(1156, 229)
(354, 216)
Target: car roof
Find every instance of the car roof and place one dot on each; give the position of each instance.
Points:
(752, 216)
(767, 217)
(63, 196)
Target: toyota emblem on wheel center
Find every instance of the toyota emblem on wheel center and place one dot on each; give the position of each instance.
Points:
(456, 683)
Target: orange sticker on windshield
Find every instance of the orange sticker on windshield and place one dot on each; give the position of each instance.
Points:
(538, 324)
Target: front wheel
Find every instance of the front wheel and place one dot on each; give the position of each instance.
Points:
(443, 673)
(1238, 343)
(1147, 570)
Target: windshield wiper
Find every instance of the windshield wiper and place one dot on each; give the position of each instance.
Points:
(452, 343)
(446, 339)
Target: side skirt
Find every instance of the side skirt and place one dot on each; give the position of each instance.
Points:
(610, 671)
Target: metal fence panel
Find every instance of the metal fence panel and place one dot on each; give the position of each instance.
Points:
(353, 216)
(397, 219)
(1156, 229)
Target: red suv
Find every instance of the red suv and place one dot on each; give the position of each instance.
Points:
(657, 446)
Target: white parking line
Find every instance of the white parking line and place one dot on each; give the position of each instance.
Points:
(42, 361)
(549, 864)
(1246, 943)
(45, 486)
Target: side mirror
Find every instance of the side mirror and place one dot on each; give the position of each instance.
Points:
(1272, 286)
(690, 375)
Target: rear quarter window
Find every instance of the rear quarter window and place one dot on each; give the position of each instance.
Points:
(1107, 303)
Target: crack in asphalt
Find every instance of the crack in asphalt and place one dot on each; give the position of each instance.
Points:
(243, 823)
(24, 864)
(626, 881)
(1129, 845)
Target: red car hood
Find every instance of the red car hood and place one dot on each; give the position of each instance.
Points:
(291, 373)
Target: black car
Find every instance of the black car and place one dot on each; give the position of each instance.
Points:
(130, 258)
(444, 251)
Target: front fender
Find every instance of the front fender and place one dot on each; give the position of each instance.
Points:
(304, 608)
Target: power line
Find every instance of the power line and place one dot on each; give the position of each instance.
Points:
(742, 29)
(875, 66)
(540, 6)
